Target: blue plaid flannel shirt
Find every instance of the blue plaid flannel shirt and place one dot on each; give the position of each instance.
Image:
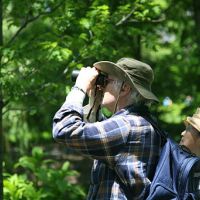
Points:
(124, 147)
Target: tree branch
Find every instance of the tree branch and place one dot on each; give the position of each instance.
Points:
(125, 18)
(28, 21)
(151, 21)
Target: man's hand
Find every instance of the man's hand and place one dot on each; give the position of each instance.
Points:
(86, 79)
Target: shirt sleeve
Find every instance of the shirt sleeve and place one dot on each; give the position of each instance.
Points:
(99, 140)
(76, 96)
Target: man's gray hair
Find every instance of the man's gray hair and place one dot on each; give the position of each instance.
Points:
(135, 97)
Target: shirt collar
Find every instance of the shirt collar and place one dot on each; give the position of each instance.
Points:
(133, 109)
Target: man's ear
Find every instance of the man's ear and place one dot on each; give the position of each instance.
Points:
(126, 88)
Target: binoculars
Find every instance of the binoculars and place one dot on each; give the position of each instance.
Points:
(100, 81)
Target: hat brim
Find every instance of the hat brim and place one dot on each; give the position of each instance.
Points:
(189, 120)
(115, 70)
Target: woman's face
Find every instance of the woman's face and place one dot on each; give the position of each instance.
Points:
(191, 139)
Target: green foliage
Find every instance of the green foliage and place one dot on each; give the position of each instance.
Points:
(45, 40)
(19, 129)
(39, 178)
(17, 187)
(172, 114)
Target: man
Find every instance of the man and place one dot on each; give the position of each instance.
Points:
(191, 135)
(191, 140)
(125, 147)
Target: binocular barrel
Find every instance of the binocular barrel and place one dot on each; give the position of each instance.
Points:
(74, 75)
(101, 78)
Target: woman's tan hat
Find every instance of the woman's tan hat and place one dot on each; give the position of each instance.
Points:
(194, 120)
(138, 74)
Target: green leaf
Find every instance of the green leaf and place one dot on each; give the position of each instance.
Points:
(27, 163)
(85, 23)
(65, 166)
(37, 152)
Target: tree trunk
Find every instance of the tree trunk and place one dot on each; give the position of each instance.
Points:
(137, 46)
(1, 104)
(196, 8)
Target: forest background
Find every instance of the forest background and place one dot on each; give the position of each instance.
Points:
(42, 41)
